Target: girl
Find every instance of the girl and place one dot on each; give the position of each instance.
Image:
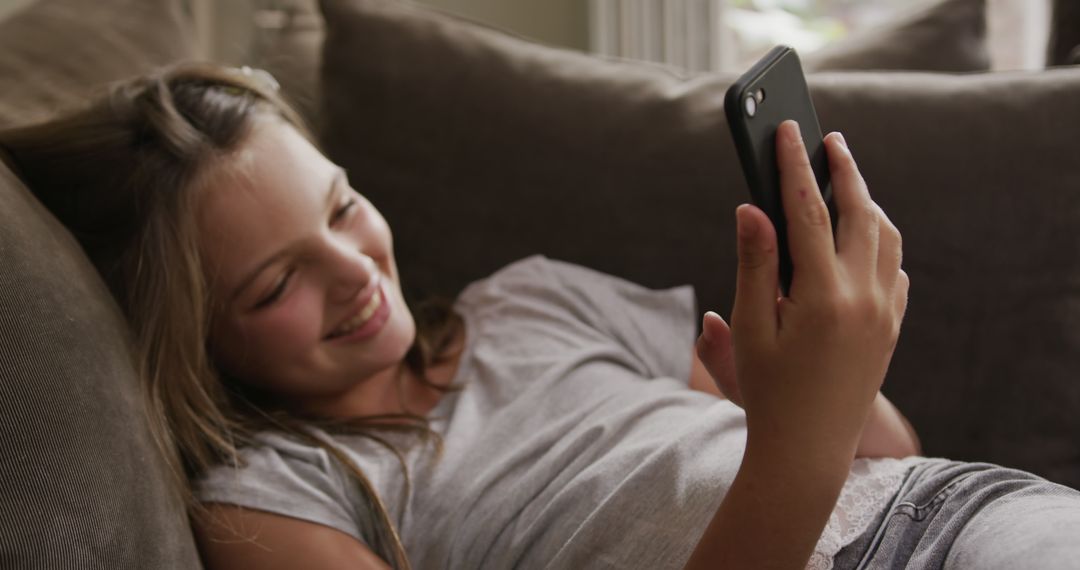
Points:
(315, 420)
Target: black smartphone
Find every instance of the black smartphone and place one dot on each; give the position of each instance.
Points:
(771, 92)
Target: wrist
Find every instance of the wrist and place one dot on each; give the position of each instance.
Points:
(832, 437)
(823, 453)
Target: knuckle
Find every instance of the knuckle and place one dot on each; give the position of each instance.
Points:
(750, 258)
(755, 254)
(886, 325)
(903, 288)
(887, 225)
(897, 320)
(795, 159)
(894, 337)
(800, 160)
(897, 237)
(869, 213)
(846, 167)
(873, 313)
(898, 257)
(816, 213)
(830, 311)
(869, 311)
(892, 252)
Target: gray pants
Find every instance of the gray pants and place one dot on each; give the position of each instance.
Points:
(950, 514)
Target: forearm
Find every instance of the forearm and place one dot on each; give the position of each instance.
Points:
(776, 508)
(887, 433)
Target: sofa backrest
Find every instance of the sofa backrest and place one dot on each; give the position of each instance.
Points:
(480, 148)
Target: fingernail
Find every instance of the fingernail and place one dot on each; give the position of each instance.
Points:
(705, 327)
(745, 226)
(841, 142)
(795, 133)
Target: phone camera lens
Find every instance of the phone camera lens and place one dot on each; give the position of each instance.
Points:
(751, 105)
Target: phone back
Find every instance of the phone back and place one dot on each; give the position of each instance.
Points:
(784, 95)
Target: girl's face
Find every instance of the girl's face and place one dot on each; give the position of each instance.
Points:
(309, 303)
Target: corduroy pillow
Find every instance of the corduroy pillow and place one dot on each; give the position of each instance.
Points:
(84, 486)
(481, 148)
(935, 35)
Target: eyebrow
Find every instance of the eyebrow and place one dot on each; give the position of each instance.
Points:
(331, 193)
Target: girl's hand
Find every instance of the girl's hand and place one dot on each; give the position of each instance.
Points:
(810, 364)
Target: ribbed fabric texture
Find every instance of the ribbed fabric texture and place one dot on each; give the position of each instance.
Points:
(83, 485)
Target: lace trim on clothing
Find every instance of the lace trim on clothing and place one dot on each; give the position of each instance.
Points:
(868, 489)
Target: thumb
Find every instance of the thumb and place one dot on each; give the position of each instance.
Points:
(754, 312)
(717, 354)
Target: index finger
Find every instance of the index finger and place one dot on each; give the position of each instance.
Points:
(809, 228)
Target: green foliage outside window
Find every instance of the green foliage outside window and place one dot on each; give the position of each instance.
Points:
(756, 25)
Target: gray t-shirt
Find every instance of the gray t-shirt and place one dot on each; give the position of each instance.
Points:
(575, 443)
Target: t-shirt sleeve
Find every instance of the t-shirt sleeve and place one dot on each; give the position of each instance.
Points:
(656, 327)
(285, 477)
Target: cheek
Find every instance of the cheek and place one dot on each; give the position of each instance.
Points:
(278, 338)
(296, 322)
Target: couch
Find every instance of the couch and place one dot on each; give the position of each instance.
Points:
(481, 147)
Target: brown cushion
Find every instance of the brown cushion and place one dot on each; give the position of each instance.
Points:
(52, 53)
(83, 484)
(481, 148)
(937, 35)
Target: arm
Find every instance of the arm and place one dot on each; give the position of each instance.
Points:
(887, 433)
(235, 537)
(770, 518)
(809, 366)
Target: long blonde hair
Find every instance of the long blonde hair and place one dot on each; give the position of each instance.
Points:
(119, 173)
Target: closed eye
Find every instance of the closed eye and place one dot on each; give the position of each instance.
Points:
(343, 211)
(276, 293)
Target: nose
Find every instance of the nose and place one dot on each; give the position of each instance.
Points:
(348, 272)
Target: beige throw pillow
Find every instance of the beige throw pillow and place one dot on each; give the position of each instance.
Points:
(936, 35)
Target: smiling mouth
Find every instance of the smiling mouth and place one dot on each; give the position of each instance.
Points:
(372, 301)
(361, 317)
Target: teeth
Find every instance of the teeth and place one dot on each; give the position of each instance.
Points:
(355, 322)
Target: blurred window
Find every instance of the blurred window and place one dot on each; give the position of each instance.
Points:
(751, 27)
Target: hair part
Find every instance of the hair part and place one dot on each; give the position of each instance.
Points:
(122, 174)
